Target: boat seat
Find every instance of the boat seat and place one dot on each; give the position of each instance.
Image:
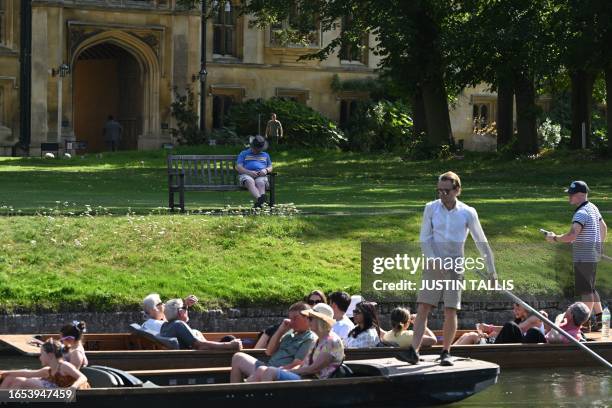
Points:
(128, 379)
(343, 371)
(100, 378)
(170, 343)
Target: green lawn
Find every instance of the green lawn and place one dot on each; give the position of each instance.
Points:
(53, 260)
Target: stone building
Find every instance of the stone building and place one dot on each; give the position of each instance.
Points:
(79, 61)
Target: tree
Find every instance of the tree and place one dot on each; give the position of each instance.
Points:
(506, 43)
(409, 39)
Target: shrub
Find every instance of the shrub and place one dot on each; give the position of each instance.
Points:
(302, 125)
(549, 134)
(381, 126)
(227, 136)
(187, 119)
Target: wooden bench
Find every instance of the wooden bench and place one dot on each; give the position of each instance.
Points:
(206, 173)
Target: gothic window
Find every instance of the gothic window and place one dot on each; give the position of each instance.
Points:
(281, 32)
(224, 30)
(354, 53)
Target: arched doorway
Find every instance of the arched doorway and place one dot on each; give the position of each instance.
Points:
(108, 80)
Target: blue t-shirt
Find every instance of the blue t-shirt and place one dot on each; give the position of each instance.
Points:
(252, 161)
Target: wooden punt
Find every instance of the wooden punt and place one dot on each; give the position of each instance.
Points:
(128, 351)
(374, 383)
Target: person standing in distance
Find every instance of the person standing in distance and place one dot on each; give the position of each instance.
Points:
(587, 234)
(112, 134)
(274, 129)
(446, 223)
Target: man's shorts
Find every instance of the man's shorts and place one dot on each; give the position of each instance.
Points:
(244, 177)
(584, 278)
(431, 295)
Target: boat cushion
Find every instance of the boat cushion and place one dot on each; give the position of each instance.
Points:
(128, 379)
(342, 371)
(167, 342)
(99, 378)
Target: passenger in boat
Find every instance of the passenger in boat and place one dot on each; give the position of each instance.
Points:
(523, 329)
(324, 358)
(287, 348)
(72, 339)
(177, 314)
(399, 335)
(570, 321)
(154, 308)
(339, 302)
(366, 332)
(313, 298)
(56, 373)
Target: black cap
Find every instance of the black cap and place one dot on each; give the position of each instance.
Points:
(259, 142)
(577, 187)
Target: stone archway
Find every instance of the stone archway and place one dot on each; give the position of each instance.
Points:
(123, 69)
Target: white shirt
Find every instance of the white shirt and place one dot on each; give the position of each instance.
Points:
(368, 338)
(444, 231)
(342, 327)
(153, 325)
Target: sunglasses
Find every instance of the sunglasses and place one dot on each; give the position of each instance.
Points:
(67, 338)
(159, 304)
(444, 191)
(185, 308)
(312, 302)
(356, 312)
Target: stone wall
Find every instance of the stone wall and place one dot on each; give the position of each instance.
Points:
(245, 319)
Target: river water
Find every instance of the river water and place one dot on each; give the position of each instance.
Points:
(562, 387)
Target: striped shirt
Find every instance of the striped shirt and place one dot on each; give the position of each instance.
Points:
(587, 246)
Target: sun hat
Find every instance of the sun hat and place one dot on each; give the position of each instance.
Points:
(322, 311)
(577, 187)
(258, 142)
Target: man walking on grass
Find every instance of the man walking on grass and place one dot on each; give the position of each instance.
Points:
(587, 233)
(445, 227)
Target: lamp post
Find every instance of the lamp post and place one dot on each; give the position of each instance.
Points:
(203, 73)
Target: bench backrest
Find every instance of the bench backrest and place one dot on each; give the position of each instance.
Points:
(205, 170)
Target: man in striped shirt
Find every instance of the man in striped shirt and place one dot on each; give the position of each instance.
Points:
(587, 234)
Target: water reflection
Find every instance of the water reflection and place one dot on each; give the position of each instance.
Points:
(563, 387)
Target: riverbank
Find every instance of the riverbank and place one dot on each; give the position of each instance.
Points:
(246, 319)
(97, 237)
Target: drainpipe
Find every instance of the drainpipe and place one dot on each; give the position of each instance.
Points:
(25, 75)
(203, 68)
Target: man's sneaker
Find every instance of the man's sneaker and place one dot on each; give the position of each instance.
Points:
(410, 355)
(260, 201)
(446, 359)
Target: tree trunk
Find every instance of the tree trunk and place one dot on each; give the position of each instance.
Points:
(419, 124)
(608, 74)
(526, 113)
(582, 92)
(436, 111)
(505, 112)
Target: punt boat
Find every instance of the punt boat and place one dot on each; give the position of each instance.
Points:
(135, 351)
(372, 383)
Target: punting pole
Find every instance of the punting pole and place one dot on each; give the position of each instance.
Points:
(550, 323)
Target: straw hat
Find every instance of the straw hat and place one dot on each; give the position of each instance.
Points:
(321, 311)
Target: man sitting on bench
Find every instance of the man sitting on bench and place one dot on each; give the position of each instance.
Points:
(254, 165)
(177, 326)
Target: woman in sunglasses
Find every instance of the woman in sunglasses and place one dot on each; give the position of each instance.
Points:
(367, 329)
(315, 297)
(71, 338)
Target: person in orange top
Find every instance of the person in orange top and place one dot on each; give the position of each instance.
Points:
(56, 373)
